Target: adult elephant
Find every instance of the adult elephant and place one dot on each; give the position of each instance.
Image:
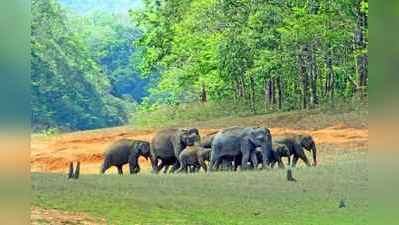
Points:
(125, 151)
(167, 144)
(235, 141)
(296, 144)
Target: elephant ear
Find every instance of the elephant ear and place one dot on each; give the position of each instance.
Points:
(180, 136)
(145, 148)
(178, 140)
(135, 148)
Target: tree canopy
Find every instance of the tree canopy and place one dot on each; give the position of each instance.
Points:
(292, 54)
(79, 65)
(93, 62)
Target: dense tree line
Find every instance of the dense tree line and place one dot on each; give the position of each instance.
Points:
(71, 89)
(287, 54)
(109, 39)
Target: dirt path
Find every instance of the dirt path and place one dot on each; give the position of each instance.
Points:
(53, 154)
(55, 217)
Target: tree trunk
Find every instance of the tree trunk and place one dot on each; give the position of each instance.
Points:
(330, 80)
(304, 78)
(241, 87)
(314, 76)
(280, 93)
(361, 47)
(253, 100)
(270, 92)
(203, 95)
(236, 86)
(266, 91)
(274, 91)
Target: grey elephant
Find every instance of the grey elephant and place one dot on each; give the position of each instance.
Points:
(296, 144)
(194, 156)
(206, 142)
(236, 141)
(167, 144)
(125, 151)
(278, 152)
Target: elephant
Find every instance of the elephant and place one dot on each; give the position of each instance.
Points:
(167, 144)
(296, 144)
(206, 142)
(125, 151)
(278, 151)
(165, 164)
(233, 141)
(194, 156)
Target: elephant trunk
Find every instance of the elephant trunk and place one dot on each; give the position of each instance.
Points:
(104, 166)
(268, 151)
(314, 152)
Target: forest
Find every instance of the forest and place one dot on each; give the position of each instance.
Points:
(99, 63)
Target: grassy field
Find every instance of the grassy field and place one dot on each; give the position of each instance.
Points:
(252, 197)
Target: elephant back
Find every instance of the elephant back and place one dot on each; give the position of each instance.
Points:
(118, 151)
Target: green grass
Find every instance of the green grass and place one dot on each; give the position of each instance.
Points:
(253, 197)
(352, 112)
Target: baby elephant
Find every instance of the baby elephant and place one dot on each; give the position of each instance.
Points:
(278, 151)
(194, 156)
(125, 151)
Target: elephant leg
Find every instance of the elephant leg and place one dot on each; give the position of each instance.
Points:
(304, 159)
(137, 169)
(203, 165)
(254, 160)
(133, 164)
(165, 169)
(244, 161)
(183, 166)
(120, 171)
(281, 164)
(294, 161)
(267, 159)
(237, 162)
(161, 165)
(228, 165)
(154, 164)
(197, 168)
(223, 165)
(133, 168)
(212, 162)
(175, 166)
(217, 163)
(104, 167)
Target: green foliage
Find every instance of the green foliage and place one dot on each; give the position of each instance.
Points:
(109, 38)
(235, 47)
(69, 89)
(255, 197)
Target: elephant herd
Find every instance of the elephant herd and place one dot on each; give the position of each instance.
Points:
(184, 150)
